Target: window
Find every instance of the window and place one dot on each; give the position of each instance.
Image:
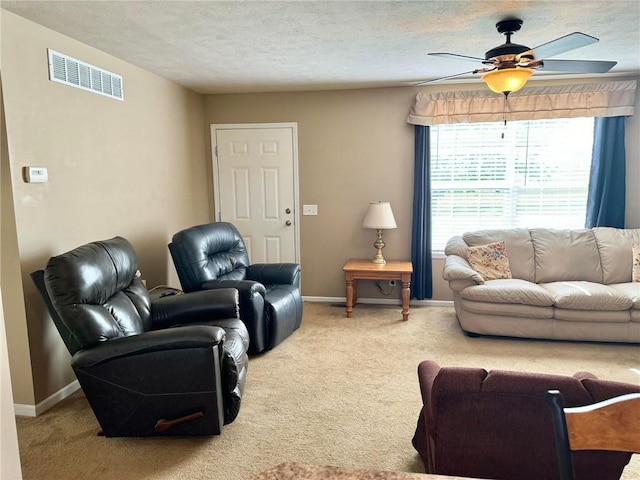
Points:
(523, 174)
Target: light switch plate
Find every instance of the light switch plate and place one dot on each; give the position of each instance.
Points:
(310, 210)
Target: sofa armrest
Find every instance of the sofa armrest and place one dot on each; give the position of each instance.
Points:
(581, 375)
(427, 373)
(275, 273)
(456, 246)
(193, 336)
(194, 307)
(458, 268)
(436, 381)
(459, 285)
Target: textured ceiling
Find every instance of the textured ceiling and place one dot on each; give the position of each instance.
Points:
(258, 46)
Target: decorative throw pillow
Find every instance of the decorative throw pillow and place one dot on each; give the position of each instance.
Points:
(635, 274)
(490, 261)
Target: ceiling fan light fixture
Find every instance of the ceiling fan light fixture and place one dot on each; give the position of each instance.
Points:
(507, 80)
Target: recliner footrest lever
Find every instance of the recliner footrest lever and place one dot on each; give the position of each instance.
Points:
(163, 425)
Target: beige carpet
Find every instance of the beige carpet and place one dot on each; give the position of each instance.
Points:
(339, 391)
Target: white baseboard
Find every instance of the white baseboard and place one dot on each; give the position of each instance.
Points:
(381, 301)
(47, 403)
(324, 299)
(431, 303)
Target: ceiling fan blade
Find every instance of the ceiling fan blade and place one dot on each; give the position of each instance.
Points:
(451, 76)
(577, 66)
(455, 56)
(563, 44)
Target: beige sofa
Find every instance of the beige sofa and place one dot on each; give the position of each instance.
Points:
(566, 284)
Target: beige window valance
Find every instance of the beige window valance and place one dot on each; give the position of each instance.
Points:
(606, 99)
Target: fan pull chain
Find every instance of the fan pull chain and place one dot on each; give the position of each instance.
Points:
(504, 114)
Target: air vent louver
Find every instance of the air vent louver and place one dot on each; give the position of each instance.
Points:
(72, 72)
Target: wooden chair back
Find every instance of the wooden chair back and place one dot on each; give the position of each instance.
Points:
(612, 424)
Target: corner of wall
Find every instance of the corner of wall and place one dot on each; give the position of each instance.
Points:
(11, 279)
(10, 457)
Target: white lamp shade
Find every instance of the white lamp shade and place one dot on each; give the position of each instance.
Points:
(380, 216)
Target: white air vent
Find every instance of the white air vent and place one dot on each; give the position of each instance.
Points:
(67, 70)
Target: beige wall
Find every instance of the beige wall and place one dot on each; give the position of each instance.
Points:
(9, 455)
(16, 324)
(135, 168)
(355, 146)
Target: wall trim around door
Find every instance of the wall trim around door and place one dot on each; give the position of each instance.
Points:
(253, 126)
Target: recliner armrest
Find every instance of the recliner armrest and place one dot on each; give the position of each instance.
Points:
(252, 300)
(275, 273)
(192, 336)
(194, 307)
(243, 286)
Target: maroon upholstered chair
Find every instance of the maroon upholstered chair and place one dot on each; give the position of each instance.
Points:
(497, 424)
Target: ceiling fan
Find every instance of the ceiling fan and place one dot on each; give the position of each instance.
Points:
(507, 67)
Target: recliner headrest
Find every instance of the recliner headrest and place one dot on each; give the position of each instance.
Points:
(208, 252)
(91, 273)
(96, 292)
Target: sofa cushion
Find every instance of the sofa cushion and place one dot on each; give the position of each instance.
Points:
(490, 261)
(629, 290)
(562, 255)
(506, 309)
(523, 383)
(509, 291)
(587, 296)
(592, 316)
(519, 247)
(614, 245)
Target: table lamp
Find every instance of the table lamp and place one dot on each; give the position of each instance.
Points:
(380, 217)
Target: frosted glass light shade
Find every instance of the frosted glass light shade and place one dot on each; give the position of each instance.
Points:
(507, 80)
(379, 216)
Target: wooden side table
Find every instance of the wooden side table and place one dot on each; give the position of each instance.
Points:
(358, 269)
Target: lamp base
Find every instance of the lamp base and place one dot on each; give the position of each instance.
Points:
(379, 244)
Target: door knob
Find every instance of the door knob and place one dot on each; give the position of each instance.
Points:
(288, 223)
(288, 210)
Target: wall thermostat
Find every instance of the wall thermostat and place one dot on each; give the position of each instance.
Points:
(35, 174)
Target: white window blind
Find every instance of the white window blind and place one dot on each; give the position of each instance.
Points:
(536, 176)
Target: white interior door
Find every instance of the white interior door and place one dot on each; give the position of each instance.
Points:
(256, 187)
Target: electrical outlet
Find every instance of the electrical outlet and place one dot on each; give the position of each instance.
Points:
(392, 283)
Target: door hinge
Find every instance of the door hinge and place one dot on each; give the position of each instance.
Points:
(216, 151)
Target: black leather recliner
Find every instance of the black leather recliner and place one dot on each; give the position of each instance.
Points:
(172, 366)
(214, 256)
